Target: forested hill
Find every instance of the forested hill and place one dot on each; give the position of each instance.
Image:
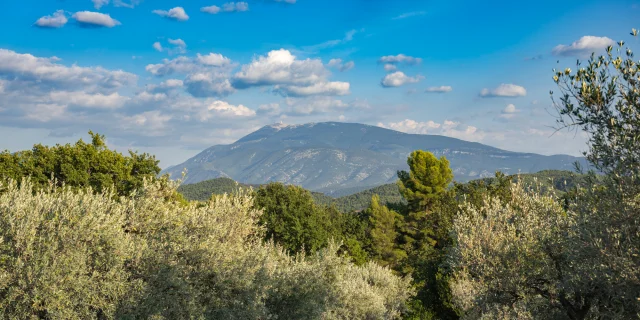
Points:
(558, 180)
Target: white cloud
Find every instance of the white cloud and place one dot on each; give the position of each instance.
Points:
(99, 3)
(342, 67)
(165, 86)
(315, 105)
(117, 3)
(280, 67)
(447, 128)
(390, 67)
(504, 90)
(286, 1)
(178, 43)
(211, 9)
(208, 84)
(56, 20)
(509, 112)
(235, 6)
(188, 65)
(179, 46)
(401, 58)
(409, 14)
(176, 13)
(33, 72)
(95, 19)
(398, 79)
(82, 99)
(440, 89)
(227, 7)
(224, 109)
(583, 47)
(150, 123)
(214, 59)
(412, 126)
(321, 88)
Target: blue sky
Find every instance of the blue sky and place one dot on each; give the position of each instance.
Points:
(173, 77)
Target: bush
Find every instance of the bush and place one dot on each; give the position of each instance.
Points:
(69, 254)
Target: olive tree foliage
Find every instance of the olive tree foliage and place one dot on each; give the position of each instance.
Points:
(505, 258)
(602, 98)
(531, 258)
(78, 254)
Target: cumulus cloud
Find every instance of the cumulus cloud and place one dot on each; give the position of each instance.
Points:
(583, 46)
(165, 86)
(117, 3)
(504, 90)
(188, 65)
(213, 59)
(400, 59)
(280, 67)
(447, 128)
(95, 19)
(211, 9)
(412, 126)
(35, 72)
(206, 75)
(398, 79)
(179, 46)
(224, 109)
(208, 84)
(227, 7)
(509, 112)
(81, 99)
(390, 67)
(56, 20)
(342, 67)
(322, 88)
(176, 13)
(440, 89)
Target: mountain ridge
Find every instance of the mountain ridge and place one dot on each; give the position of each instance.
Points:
(332, 156)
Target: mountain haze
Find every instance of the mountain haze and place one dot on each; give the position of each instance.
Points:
(330, 157)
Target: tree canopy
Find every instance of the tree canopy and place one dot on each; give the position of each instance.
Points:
(80, 165)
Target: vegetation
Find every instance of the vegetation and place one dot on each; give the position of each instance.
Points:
(294, 221)
(69, 254)
(202, 191)
(80, 165)
(533, 258)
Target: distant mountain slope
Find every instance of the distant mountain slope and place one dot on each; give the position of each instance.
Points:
(560, 181)
(330, 157)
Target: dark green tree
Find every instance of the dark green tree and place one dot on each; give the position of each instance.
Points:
(383, 234)
(294, 221)
(80, 165)
(431, 206)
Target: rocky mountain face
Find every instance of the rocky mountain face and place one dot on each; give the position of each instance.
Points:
(333, 157)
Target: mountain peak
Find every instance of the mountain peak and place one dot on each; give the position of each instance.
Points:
(330, 156)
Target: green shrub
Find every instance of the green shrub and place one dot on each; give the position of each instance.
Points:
(68, 254)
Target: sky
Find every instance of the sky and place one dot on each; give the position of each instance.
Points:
(172, 77)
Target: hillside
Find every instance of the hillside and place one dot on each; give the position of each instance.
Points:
(331, 157)
(560, 181)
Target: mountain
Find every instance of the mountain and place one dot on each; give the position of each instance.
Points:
(330, 157)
